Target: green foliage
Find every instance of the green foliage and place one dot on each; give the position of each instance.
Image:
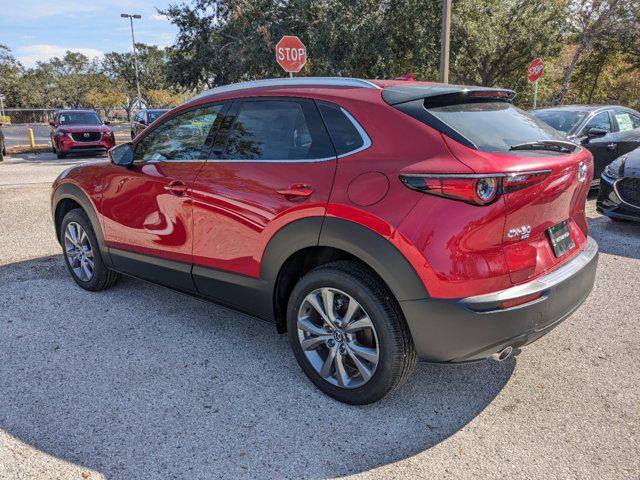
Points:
(152, 70)
(591, 50)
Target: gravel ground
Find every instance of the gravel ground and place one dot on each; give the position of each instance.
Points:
(141, 382)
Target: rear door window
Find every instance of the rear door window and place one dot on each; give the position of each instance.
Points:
(344, 133)
(624, 120)
(494, 126)
(278, 130)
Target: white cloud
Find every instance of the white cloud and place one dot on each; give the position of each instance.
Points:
(37, 9)
(158, 16)
(30, 54)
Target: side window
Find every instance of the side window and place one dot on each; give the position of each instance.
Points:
(625, 122)
(180, 138)
(285, 130)
(344, 133)
(601, 120)
(636, 121)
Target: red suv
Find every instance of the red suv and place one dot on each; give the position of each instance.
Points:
(376, 222)
(80, 131)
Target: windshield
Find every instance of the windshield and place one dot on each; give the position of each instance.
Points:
(494, 126)
(79, 118)
(563, 120)
(155, 114)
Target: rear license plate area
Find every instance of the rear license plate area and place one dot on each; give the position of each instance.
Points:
(560, 238)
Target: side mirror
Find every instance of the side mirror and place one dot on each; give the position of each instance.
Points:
(107, 122)
(121, 155)
(596, 132)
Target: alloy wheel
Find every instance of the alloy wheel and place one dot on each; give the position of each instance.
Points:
(338, 337)
(79, 251)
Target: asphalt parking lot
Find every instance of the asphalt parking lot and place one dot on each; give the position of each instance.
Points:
(141, 382)
(18, 134)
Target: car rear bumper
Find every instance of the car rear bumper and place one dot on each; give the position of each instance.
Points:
(610, 204)
(473, 328)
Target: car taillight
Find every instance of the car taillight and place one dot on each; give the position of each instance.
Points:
(518, 181)
(473, 189)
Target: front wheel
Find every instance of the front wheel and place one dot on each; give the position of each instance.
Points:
(61, 155)
(348, 333)
(82, 253)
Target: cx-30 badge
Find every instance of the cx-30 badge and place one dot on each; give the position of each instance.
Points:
(523, 232)
(582, 171)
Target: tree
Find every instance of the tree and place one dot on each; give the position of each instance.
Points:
(10, 76)
(152, 62)
(494, 41)
(224, 41)
(593, 22)
(163, 98)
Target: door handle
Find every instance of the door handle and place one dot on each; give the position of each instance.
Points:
(296, 190)
(176, 187)
(611, 146)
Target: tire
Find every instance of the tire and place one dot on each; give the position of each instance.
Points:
(61, 155)
(133, 135)
(390, 337)
(101, 276)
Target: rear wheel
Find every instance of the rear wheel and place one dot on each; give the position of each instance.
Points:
(348, 334)
(82, 253)
(61, 155)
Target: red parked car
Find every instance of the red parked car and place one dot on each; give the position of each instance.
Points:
(377, 222)
(80, 131)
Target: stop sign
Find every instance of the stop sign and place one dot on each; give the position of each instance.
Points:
(291, 54)
(534, 72)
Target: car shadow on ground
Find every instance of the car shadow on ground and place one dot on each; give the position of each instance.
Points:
(44, 158)
(142, 382)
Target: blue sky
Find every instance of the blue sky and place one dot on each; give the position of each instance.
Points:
(37, 30)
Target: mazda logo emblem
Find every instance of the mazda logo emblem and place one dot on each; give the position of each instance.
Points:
(86, 135)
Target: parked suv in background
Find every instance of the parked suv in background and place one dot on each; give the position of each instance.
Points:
(377, 222)
(80, 131)
(144, 118)
(606, 131)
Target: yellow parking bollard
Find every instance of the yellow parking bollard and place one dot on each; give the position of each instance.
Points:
(32, 141)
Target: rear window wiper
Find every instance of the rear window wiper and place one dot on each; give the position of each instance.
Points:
(552, 145)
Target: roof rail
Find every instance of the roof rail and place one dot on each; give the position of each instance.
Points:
(294, 82)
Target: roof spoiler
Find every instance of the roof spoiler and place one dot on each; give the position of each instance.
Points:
(438, 95)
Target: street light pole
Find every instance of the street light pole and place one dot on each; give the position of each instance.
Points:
(444, 41)
(135, 56)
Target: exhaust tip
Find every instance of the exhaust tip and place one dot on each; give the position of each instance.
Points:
(503, 354)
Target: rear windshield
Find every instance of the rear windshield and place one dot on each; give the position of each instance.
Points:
(563, 120)
(79, 118)
(494, 126)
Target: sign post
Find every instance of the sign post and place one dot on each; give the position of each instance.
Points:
(291, 54)
(534, 72)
